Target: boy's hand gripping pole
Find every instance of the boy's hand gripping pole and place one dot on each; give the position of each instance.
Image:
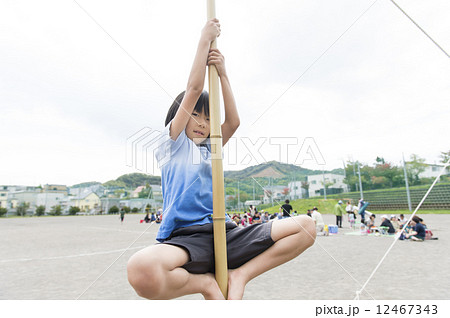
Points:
(220, 242)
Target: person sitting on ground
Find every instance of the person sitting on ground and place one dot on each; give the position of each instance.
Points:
(402, 220)
(370, 223)
(244, 221)
(236, 218)
(147, 217)
(318, 220)
(417, 233)
(265, 217)
(395, 222)
(385, 222)
(308, 213)
(422, 222)
(256, 218)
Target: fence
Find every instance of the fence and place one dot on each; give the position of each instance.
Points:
(396, 199)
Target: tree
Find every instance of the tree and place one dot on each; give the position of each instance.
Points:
(40, 210)
(445, 156)
(305, 185)
(148, 207)
(135, 210)
(22, 208)
(55, 210)
(285, 192)
(414, 167)
(3, 211)
(113, 209)
(380, 160)
(73, 210)
(126, 209)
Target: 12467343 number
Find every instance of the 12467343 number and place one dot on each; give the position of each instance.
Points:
(407, 309)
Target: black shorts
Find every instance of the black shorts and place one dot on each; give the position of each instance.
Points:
(243, 244)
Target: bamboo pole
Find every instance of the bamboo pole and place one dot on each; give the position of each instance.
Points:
(220, 243)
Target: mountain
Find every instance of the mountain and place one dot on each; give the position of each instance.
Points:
(273, 169)
(280, 173)
(133, 180)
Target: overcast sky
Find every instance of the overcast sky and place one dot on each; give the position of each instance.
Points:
(70, 97)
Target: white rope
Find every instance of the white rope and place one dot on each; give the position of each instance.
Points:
(397, 236)
(420, 28)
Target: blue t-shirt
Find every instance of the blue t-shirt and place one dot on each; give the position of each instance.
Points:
(420, 229)
(186, 178)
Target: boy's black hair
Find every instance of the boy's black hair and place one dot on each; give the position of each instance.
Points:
(202, 106)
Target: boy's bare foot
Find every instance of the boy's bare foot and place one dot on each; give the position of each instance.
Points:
(212, 290)
(236, 284)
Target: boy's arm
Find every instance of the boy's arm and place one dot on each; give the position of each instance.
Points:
(232, 121)
(196, 78)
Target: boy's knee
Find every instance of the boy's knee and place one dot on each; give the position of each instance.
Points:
(309, 228)
(143, 276)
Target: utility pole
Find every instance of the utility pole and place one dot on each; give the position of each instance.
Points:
(324, 184)
(239, 199)
(253, 189)
(354, 174)
(360, 183)
(406, 183)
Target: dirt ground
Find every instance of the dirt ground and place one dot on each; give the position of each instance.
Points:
(65, 257)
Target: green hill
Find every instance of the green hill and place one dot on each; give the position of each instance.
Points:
(277, 170)
(133, 180)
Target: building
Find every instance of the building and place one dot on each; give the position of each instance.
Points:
(87, 202)
(57, 188)
(135, 193)
(51, 199)
(3, 196)
(335, 184)
(296, 191)
(107, 203)
(432, 171)
(98, 189)
(22, 196)
(274, 194)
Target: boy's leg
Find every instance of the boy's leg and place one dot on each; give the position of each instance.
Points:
(292, 236)
(155, 273)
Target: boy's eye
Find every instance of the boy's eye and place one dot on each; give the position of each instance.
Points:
(194, 114)
(207, 119)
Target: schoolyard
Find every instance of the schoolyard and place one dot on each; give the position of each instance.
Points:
(64, 258)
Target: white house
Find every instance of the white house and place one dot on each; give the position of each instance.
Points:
(49, 200)
(316, 184)
(22, 196)
(432, 171)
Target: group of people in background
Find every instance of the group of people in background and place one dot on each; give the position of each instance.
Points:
(414, 230)
(253, 216)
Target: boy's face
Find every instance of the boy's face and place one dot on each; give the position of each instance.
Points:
(197, 128)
